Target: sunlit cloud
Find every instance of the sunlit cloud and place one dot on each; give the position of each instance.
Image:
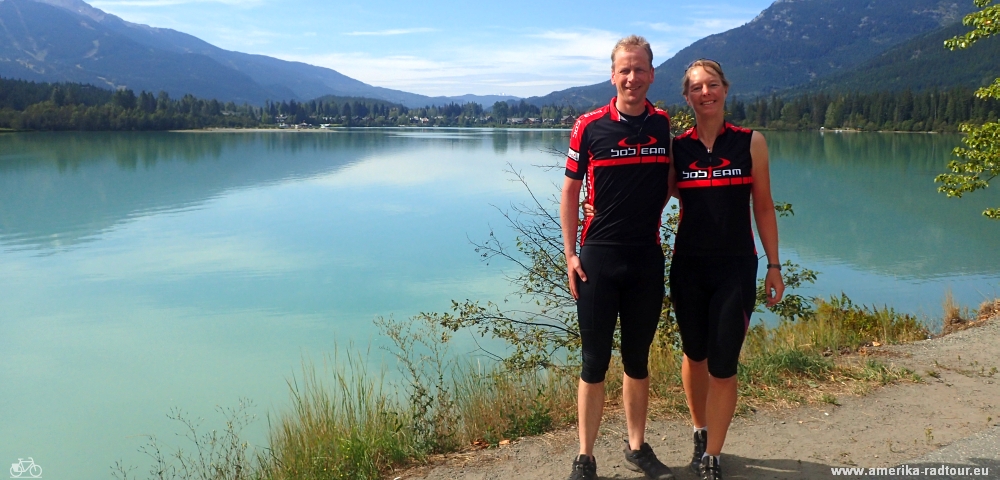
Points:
(525, 65)
(401, 31)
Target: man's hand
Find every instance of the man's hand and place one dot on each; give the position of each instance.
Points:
(588, 210)
(774, 286)
(574, 269)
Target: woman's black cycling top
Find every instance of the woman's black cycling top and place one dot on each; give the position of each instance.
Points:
(715, 190)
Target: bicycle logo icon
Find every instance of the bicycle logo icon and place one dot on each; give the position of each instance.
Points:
(22, 467)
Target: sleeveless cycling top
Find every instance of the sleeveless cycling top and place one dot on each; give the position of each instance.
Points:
(715, 190)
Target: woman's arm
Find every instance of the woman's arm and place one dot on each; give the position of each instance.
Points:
(767, 221)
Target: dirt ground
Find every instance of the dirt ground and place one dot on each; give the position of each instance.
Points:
(958, 397)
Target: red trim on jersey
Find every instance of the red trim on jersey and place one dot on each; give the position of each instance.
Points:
(691, 132)
(715, 182)
(737, 129)
(651, 141)
(630, 161)
(572, 165)
(589, 200)
(615, 114)
(658, 111)
(581, 125)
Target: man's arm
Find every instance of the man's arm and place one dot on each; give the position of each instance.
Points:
(569, 219)
(767, 221)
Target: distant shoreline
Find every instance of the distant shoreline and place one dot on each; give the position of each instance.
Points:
(343, 129)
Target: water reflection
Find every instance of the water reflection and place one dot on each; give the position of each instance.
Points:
(869, 200)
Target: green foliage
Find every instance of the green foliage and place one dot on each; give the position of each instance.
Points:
(792, 306)
(979, 163)
(526, 420)
(985, 23)
(853, 326)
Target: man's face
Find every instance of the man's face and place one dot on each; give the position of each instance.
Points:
(632, 74)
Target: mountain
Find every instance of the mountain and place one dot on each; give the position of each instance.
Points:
(791, 43)
(919, 64)
(69, 40)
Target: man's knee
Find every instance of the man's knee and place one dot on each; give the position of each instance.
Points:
(637, 369)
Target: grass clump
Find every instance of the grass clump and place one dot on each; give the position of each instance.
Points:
(838, 326)
(343, 427)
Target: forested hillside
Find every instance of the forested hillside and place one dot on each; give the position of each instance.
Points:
(931, 110)
(66, 106)
(791, 43)
(919, 64)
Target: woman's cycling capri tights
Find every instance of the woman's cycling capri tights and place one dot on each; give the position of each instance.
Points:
(713, 297)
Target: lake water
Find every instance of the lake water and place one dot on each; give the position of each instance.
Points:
(142, 272)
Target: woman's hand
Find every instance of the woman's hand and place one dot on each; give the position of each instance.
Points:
(588, 210)
(774, 286)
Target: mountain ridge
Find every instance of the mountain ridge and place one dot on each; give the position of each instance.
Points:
(203, 65)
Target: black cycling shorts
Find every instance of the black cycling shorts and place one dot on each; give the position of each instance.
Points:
(625, 282)
(713, 298)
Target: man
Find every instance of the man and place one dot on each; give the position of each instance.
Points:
(622, 150)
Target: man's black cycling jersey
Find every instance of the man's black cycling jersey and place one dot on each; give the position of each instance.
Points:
(626, 167)
(715, 189)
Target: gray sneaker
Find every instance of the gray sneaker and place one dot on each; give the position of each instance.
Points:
(700, 444)
(710, 468)
(584, 468)
(645, 461)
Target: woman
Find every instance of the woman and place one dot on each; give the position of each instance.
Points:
(718, 169)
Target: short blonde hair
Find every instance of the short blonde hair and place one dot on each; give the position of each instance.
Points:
(632, 41)
(709, 65)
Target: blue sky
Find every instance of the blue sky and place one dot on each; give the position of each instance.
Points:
(445, 47)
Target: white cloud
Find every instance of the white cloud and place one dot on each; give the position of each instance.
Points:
(401, 31)
(524, 65)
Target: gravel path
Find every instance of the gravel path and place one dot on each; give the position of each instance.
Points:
(948, 419)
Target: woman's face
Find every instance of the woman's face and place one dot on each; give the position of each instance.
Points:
(705, 94)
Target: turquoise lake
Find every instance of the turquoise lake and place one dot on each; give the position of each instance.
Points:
(141, 272)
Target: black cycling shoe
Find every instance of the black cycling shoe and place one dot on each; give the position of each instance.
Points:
(584, 468)
(645, 461)
(700, 444)
(710, 469)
